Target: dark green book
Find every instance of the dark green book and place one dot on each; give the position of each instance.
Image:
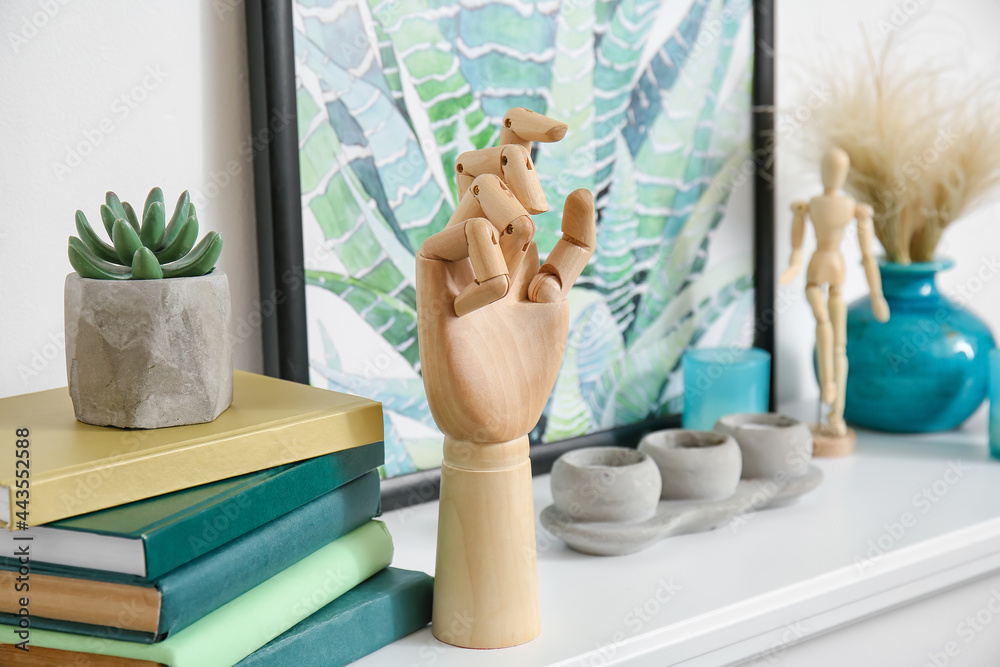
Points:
(387, 607)
(151, 537)
(92, 602)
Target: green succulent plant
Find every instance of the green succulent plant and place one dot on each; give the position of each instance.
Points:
(148, 250)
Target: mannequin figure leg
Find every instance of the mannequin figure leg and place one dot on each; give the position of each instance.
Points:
(838, 320)
(824, 343)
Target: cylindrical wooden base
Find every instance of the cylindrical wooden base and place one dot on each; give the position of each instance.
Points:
(486, 577)
(826, 445)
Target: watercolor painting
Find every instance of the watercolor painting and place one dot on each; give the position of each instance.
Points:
(657, 98)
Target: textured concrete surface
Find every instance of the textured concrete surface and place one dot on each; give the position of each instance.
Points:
(606, 484)
(771, 443)
(149, 353)
(675, 517)
(694, 465)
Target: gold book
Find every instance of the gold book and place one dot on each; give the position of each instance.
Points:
(73, 468)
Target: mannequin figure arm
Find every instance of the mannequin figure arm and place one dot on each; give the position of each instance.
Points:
(866, 234)
(800, 210)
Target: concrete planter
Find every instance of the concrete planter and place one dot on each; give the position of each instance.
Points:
(774, 446)
(694, 465)
(606, 484)
(149, 353)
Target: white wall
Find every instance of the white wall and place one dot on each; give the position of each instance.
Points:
(114, 95)
(807, 27)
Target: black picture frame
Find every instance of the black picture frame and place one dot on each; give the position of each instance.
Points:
(271, 65)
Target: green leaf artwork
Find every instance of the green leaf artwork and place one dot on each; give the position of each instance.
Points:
(657, 99)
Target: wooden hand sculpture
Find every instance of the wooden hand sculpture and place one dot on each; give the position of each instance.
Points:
(492, 328)
(831, 213)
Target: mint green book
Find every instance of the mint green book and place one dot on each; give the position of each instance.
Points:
(237, 629)
(387, 607)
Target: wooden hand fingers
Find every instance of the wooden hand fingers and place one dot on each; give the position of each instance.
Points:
(476, 163)
(488, 197)
(492, 280)
(512, 222)
(522, 126)
(522, 179)
(495, 236)
(468, 207)
(511, 163)
(572, 252)
(477, 240)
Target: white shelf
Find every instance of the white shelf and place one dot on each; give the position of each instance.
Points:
(777, 578)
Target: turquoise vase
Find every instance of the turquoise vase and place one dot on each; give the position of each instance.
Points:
(927, 368)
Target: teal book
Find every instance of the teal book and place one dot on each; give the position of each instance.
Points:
(149, 538)
(91, 602)
(387, 607)
(237, 629)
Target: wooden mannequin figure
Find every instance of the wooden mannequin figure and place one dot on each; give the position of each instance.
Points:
(492, 328)
(831, 213)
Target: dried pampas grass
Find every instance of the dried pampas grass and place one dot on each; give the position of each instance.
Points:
(924, 143)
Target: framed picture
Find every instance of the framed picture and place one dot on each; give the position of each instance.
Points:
(360, 109)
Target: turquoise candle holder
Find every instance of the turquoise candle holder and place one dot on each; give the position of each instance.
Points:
(724, 381)
(995, 403)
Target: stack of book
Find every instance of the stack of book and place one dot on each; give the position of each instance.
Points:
(248, 541)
